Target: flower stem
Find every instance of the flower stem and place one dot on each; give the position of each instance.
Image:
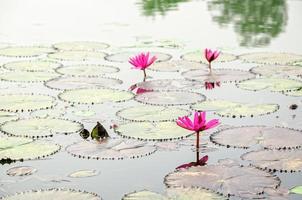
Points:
(210, 67)
(197, 146)
(145, 75)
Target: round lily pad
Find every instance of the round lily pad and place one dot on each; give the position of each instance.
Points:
(83, 173)
(161, 131)
(296, 190)
(50, 194)
(167, 98)
(19, 149)
(271, 58)
(273, 70)
(21, 171)
(227, 180)
(272, 84)
(124, 56)
(32, 65)
(25, 51)
(225, 108)
(198, 56)
(294, 93)
(222, 75)
(110, 149)
(7, 116)
(24, 76)
(95, 96)
(84, 113)
(40, 127)
(81, 46)
(86, 70)
(68, 83)
(77, 55)
(274, 160)
(176, 66)
(25, 102)
(49, 113)
(266, 137)
(151, 113)
(170, 85)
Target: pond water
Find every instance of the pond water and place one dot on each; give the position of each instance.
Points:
(170, 28)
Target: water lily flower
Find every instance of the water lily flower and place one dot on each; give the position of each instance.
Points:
(210, 56)
(142, 61)
(211, 85)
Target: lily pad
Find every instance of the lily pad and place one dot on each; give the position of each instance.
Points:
(161, 131)
(77, 55)
(49, 113)
(7, 116)
(84, 113)
(95, 96)
(294, 93)
(50, 194)
(170, 85)
(87, 70)
(296, 190)
(124, 56)
(29, 77)
(225, 108)
(110, 149)
(19, 149)
(32, 65)
(272, 84)
(176, 66)
(227, 180)
(266, 137)
(198, 56)
(24, 52)
(223, 75)
(83, 173)
(274, 70)
(170, 98)
(68, 83)
(271, 58)
(151, 113)
(21, 171)
(81, 46)
(276, 160)
(25, 102)
(40, 127)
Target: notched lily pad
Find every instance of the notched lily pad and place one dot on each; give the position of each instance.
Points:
(7, 116)
(275, 70)
(198, 56)
(170, 85)
(28, 77)
(95, 96)
(83, 173)
(87, 70)
(81, 46)
(150, 113)
(21, 171)
(110, 149)
(271, 58)
(124, 56)
(40, 127)
(176, 66)
(77, 55)
(169, 98)
(161, 131)
(24, 52)
(32, 65)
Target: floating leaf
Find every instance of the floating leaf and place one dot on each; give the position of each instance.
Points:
(77, 55)
(40, 127)
(25, 102)
(81, 46)
(30, 77)
(25, 51)
(176, 66)
(67, 83)
(271, 58)
(296, 190)
(124, 56)
(169, 98)
(170, 85)
(50, 194)
(294, 93)
(234, 109)
(84, 113)
(198, 56)
(21, 171)
(95, 96)
(83, 173)
(32, 65)
(161, 131)
(273, 70)
(49, 113)
(110, 149)
(87, 70)
(267, 137)
(7, 116)
(276, 160)
(227, 180)
(151, 113)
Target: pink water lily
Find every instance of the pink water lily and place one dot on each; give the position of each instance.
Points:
(210, 56)
(211, 85)
(142, 61)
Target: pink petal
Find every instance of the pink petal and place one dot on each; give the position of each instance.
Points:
(212, 124)
(181, 124)
(187, 165)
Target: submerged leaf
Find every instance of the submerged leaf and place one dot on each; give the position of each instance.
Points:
(21, 171)
(83, 173)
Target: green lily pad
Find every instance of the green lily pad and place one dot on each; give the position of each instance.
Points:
(83, 173)
(51, 194)
(84, 113)
(225, 108)
(40, 127)
(21, 171)
(81, 46)
(77, 55)
(294, 93)
(49, 113)
(25, 102)
(198, 56)
(296, 190)
(161, 131)
(272, 84)
(271, 58)
(19, 149)
(176, 66)
(169, 98)
(68, 83)
(25, 51)
(87, 70)
(95, 96)
(7, 116)
(24, 76)
(274, 70)
(32, 65)
(170, 85)
(124, 56)
(151, 113)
